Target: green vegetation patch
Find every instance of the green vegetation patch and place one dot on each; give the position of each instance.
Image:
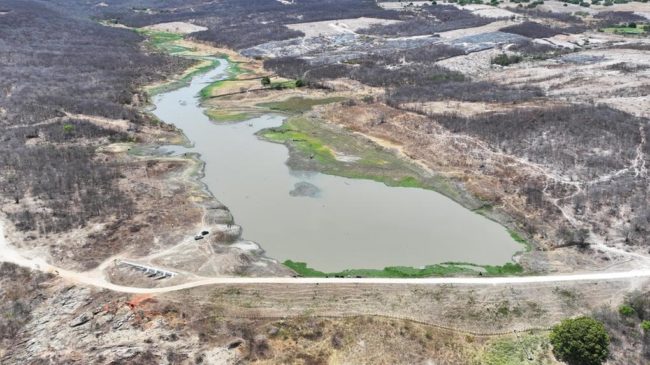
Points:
(629, 29)
(515, 236)
(509, 268)
(225, 116)
(519, 239)
(209, 90)
(516, 350)
(315, 145)
(506, 59)
(234, 70)
(159, 37)
(175, 84)
(279, 85)
(298, 104)
(318, 146)
(626, 310)
(409, 182)
(163, 40)
(444, 269)
(645, 326)
(582, 340)
(301, 140)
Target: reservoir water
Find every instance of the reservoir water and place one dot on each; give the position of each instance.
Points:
(346, 223)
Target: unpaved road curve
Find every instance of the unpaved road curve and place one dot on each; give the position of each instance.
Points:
(95, 278)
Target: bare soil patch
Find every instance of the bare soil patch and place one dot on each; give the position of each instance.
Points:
(338, 26)
(176, 27)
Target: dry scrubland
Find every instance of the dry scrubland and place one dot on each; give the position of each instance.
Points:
(53, 322)
(536, 116)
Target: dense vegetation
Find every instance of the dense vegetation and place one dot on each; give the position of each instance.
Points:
(628, 327)
(418, 80)
(53, 63)
(238, 24)
(580, 341)
(558, 138)
(66, 179)
(609, 18)
(547, 135)
(537, 30)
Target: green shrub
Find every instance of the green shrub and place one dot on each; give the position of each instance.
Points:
(580, 341)
(68, 128)
(625, 310)
(645, 326)
(506, 60)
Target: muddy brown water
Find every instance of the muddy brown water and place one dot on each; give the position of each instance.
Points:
(331, 223)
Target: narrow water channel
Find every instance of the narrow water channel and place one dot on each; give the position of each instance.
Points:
(343, 223)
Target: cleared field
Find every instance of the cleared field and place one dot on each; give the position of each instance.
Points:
(336, 27)
(488, 11)
(465, 32)
(398, 5)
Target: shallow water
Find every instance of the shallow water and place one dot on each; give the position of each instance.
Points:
(344, 223)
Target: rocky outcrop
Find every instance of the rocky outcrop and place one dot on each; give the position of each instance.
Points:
(84, 326)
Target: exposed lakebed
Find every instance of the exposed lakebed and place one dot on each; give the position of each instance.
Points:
(331, 223)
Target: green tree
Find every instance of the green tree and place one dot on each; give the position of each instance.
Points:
(300, 83)
(580, 341)
(266, 81)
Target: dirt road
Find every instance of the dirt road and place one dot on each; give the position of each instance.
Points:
(95, 278)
